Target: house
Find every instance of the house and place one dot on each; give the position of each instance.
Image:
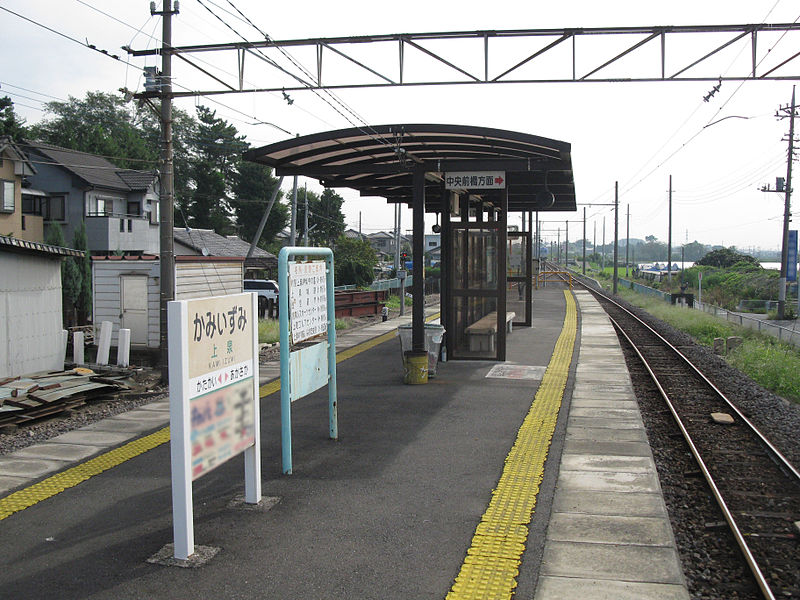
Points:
(125, 289)
(30, 294)
(119, 206)
(385, 245)
(206, 242)
(352, 234)
(17, 218)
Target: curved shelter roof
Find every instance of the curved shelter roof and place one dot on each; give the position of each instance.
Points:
(379, 161)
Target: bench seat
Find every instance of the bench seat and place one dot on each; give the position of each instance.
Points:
(483, 332)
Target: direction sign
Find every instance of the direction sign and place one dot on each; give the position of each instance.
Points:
(475, 180)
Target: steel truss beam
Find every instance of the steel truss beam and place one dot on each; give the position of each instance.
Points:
(585, 45)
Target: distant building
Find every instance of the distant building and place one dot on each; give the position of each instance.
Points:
(206, 242)
(119, 206)
(17, 219)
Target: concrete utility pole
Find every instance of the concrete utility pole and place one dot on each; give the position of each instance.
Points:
(293, 224)
(616, 235)
(166, 202)
(584, 241)
(627, 240)
(594, 240)
(566, 245)
(790, 112)
(558, 245)
(602, 268)
(264, 218)
(305, 229)
(669, 237)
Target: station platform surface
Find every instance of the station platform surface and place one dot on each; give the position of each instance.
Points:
(535, 480)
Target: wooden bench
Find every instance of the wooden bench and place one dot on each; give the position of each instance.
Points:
(483, 332)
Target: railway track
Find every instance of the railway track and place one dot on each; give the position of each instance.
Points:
(756, 487)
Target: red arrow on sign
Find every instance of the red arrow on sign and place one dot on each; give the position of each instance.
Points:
(498, 180)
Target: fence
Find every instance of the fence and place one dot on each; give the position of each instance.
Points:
(784, 334)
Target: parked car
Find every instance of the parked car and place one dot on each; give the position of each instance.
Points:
(267, 290)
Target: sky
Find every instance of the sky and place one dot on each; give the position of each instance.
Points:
(719, 153)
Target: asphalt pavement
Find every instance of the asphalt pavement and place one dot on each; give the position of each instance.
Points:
(388, 511)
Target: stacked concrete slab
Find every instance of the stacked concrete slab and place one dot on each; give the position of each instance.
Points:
(609, 535)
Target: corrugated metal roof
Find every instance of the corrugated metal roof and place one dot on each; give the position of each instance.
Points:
(24, 246)
(379, 160)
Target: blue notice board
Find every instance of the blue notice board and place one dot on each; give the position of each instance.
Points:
(791, 261)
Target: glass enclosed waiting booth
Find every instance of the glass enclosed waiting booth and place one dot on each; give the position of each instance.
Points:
(488, 271)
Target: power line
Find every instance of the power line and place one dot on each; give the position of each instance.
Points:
(380, 139)
(18, 87)
(71, 39)
(686, 143)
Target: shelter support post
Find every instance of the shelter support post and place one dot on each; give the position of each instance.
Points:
(418, 290)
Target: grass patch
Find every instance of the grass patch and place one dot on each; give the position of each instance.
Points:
(269, 329)
(770, 363)
(774, 365)
(393, 301)
(701, 326)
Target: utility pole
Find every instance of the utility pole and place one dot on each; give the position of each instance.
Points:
(166, 202)
(790, 113)
(602, 268)
(293, 225)
(669, 238)
(594, 240)
(558, 245)
(584, 240)
(627, 240)
(566, 245)
(305, 228)
(616, 234)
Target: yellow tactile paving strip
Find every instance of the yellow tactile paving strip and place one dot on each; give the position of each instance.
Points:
(492, 563)
(55, 484)
(59, 482)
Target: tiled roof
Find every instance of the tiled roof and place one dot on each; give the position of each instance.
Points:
(94, 170)
(217, 245)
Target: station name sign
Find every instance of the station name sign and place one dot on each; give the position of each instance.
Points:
(475, 180)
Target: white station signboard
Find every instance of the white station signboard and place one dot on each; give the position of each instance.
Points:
(308, 303)
(214, 412)
(475, 180)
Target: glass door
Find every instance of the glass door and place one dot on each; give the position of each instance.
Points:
(477, 321)
(519, 277)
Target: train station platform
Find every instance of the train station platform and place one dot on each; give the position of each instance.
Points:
(530, 477)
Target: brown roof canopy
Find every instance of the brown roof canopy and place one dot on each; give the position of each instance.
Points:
(379, 160)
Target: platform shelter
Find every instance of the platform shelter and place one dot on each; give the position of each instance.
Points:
(473, 178)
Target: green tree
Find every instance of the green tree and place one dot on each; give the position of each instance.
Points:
(10, 123)
(101, 124)
(353, 260)
(727, 257)
(184, 135)
(84, 300)
(218, 149)
(326, 218)
(70, 276)
(694, 251)
(252, 188)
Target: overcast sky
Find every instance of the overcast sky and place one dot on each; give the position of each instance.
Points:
(635, 133)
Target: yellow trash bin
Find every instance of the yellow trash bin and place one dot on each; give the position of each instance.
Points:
(416, 367)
